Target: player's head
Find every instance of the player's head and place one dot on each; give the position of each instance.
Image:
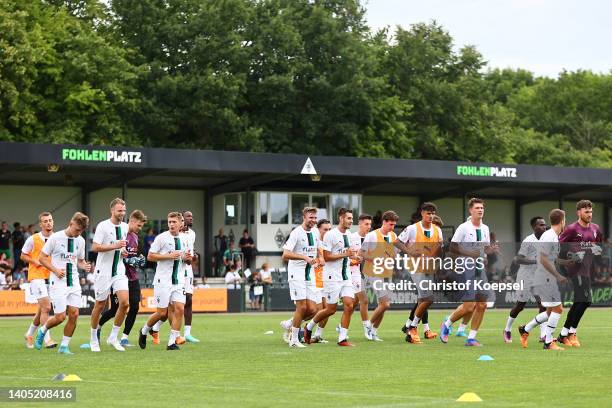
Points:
(117, 209)
(389, 220)
(45, 221)
(476, 207)
(345, 218)
(324, 225)
(428, 212)
(78, 224)
(538, 225)
(188, 217)
(309, 217)
(437, 220)
(137, 221)
(557, 217)
(584, 210)
(365, 224)
(175, 222)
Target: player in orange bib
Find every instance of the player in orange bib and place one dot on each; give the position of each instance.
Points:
(422, 241)
(38, 278)
(376, 248)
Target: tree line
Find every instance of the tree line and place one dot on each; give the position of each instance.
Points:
(299, 76)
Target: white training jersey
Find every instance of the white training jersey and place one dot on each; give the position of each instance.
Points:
(65, 252)
(337, 242)
(306, 243)
(549, 246)
(110, 263)
(529, 249)
(470, 237)
(189, 244)
(169, 271)
(356, 244)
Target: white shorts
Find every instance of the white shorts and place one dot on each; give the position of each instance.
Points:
(38, 289)
(103, 285)
(527, 293)
(549, 294)
(298, 290)
(62, 297)
(164, 295)
(334, 291)
(381, 292)
(189, 282)
(314, 294)
(358, 285)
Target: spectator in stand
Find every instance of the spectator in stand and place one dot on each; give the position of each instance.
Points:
(220, 244)
(29, 232)
(5, 240)
(266, 274)
(255, 281)
(231, 256)
(148, 241)
(247, 246)
(5, 267)
(18, 241)
(233, 278)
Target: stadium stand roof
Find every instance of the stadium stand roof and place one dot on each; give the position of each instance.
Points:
(96, 167)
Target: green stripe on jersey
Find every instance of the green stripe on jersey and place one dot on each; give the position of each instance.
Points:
(117, 255)
(308, 266)
(478, 238)
(69, 271)
(175, 266)
(345, 261)
(69, 274)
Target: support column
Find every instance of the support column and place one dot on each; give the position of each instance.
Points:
(518, 215)
(208, 246)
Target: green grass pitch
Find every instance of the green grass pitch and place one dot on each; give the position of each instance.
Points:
(238, 365)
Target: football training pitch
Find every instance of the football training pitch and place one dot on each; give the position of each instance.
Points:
(237, 364)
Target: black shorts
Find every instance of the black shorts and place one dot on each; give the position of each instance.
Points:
(134, 290)
(582, 289)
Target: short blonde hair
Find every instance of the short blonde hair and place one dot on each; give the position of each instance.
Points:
(115, 202)
(175, 214)
(138, 216)
(43, 214)
(80, 219)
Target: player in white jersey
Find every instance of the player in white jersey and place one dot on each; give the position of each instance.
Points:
(316, 300)
(301, 253)
(527, 259)
(62, 255)
(336, 277)
(545, 282)
(170, 252)
(361, 299)
(38, 277)
(110, 243)
(190, 236)
(471, 243)
(379, 244)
